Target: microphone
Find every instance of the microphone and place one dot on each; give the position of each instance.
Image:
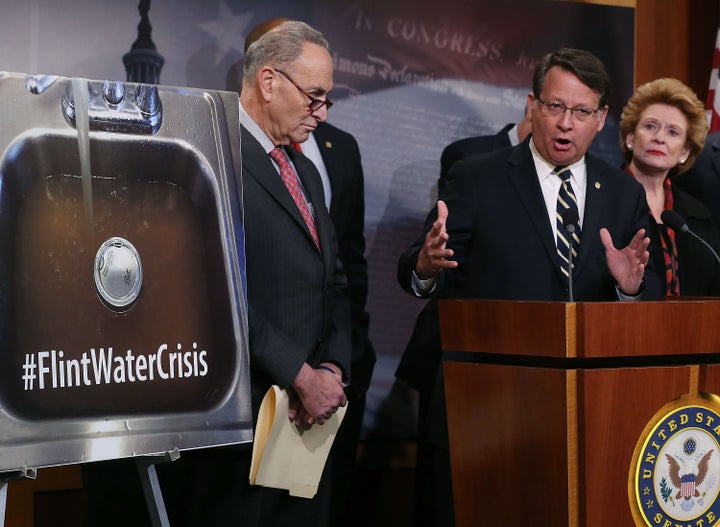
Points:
(571, 221)
(676, 222)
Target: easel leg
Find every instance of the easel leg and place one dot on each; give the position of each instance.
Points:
(3, 501)
(151, 486)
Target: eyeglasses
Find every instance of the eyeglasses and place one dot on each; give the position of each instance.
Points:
(315, 104)
(555, 108)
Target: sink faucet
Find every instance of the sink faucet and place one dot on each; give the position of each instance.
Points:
(36, 84)
(114, 106)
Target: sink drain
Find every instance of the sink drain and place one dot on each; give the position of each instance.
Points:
(118, 274)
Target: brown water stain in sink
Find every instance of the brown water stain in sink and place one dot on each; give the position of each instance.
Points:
(60, 320)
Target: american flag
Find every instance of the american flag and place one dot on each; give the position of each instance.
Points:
(713, 100)
(688, 485)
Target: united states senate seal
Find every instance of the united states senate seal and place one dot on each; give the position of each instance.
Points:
(674, 476)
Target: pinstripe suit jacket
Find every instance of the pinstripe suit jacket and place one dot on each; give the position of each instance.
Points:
(298, 309)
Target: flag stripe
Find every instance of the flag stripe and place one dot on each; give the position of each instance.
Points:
(713, 100)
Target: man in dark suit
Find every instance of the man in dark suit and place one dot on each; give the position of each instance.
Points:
(494, 231)
(336, 155)
(421, 358)
(340, 159)
(703, 179)
(511, 134)
(298, 311)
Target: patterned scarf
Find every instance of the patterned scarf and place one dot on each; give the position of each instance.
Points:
(669, 247)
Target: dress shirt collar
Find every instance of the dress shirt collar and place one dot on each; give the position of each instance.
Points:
(545, 169)
(550, 185)
(255, 130)
(513, 136)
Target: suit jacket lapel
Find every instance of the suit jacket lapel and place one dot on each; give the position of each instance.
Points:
(258, 164)
(501, 139)
(523, 176)
(333, 164)
(597, 194)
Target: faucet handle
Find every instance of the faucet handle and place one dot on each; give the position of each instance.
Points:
(114, 106)
(147, 99)
(114, 92)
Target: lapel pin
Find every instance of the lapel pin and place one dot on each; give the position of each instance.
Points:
(597, 185)
(328, 144)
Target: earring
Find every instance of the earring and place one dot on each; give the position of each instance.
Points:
(682, 161)
(629, 146)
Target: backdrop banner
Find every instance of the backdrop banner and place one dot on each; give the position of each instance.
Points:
(410, 78)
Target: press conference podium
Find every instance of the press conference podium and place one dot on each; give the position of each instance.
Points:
(548, 400)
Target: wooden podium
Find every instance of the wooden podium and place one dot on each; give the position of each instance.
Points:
(548, 402)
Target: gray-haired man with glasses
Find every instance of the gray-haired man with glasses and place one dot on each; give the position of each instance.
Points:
(497, 231)
(298, 309)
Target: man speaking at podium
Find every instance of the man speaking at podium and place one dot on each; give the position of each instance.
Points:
(539, 221)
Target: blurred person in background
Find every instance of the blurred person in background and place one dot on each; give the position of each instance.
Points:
(702, 180)
(511, 134)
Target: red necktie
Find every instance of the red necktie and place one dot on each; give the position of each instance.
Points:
(290, 178)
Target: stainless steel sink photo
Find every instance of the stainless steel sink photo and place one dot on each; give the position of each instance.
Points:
(122, 314)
